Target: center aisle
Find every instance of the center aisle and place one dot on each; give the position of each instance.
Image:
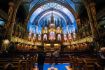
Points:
(57, 66)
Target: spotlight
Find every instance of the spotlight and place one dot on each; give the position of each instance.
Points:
(6, 41)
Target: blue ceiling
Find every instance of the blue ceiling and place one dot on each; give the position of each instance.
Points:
(41, 14)
(69, 2)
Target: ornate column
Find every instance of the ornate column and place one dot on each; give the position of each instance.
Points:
(13, 7)
(10, 16)
(13, 21)
(25, 27)
(91, 11)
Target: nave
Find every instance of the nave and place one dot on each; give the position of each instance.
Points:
(52, 35)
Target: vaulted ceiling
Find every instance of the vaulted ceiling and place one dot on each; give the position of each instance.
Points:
(100, 4)
(28, 7)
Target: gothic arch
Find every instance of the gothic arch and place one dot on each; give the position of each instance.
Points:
(45, 2)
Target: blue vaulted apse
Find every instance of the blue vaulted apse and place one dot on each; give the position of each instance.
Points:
(62, 16)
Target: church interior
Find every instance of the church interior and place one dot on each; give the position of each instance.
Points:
(52, 35)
